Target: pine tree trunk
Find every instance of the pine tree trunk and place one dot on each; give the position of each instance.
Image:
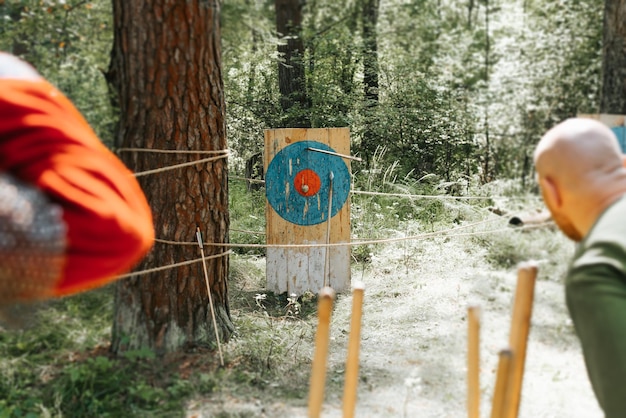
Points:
(613, 99)
(369, 19)
(291, 76)
(166, 67)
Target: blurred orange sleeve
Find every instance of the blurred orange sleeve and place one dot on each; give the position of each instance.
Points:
(45, 141)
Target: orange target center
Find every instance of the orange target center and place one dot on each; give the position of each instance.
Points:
(307, 182)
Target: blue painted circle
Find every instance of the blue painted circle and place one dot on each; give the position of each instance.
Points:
(291, 205)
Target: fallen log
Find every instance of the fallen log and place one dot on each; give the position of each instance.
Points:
(525, 219)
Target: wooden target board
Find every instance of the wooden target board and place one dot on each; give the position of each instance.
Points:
(306, 184)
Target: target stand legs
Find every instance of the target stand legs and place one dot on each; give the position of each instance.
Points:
(511, 360)
(322, 337)
(352, 362)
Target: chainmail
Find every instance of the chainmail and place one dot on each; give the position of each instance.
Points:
(32, 242)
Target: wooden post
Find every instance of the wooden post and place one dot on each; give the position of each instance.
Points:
(322, 337)
(299, 164)
(505, 365)
(352, 363)
(473, 362)
(520, 328)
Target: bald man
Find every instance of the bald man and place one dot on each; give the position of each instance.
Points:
(583, 182)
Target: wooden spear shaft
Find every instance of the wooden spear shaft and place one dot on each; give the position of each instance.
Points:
(328, 223)
(520, 328)
(322, 336)
(208, 290)
(473, 362)
(352, 363)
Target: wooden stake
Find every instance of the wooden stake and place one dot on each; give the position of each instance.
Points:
(473, 362)
(503, 375)
(208, 290)
(318, 373)
(520, 328)
(352, 363)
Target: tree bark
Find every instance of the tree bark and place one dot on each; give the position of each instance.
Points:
(470, 9)
(487, 170)
(20, 47)
(166, 68)
(294, 99)
(369, 20)
(370, 50)
(613, 97)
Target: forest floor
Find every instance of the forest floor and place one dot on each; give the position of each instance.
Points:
(414, 339)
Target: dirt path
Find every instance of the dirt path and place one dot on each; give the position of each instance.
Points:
(414, 338)
(414, 341)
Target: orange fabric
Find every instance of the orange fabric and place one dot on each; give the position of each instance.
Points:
(45, 141)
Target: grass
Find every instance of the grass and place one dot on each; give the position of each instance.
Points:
(60, 365)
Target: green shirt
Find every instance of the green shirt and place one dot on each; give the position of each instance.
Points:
(595, 290)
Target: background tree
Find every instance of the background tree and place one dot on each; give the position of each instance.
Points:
(166, 67)
(294, 99)
(369, 22)
(432, 89)
(613, 98)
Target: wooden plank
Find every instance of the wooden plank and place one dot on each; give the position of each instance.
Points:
(520, 328)
(297, 270)
(317, 383)
(352, 361)
(473, 362)
(503, 377)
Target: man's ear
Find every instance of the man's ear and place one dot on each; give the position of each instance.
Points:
(550, 192)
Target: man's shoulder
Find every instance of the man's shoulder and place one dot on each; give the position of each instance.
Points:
(606, 241)
(611, 223)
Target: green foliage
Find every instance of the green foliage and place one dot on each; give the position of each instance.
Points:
(102, 386)
(52, 369)
(546, 246)
(543, 243)
(445, 82)
(400, 203)
(423, 128)
(250, 76)
(69, 44)
(554, 64)
(247, 213)
(270, 358)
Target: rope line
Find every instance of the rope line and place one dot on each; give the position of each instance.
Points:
(357, 242)
(213, 244)
(245, 231)
(171, 151)
(419, 196)
(246, 179)
(403, 195)
(175, 166)
(220, 154)
(170, 266)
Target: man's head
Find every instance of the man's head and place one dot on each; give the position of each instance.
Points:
(580, 171)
